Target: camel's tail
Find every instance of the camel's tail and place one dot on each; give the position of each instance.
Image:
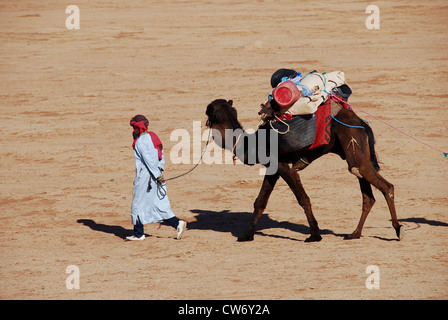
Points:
(371, 137)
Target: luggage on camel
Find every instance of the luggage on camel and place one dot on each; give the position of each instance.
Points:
(299, 108)
(300, 96)
(304, 132)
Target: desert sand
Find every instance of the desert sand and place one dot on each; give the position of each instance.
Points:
(67, 165)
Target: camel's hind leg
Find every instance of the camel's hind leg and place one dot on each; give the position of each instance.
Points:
(387, 189)
(361, 166)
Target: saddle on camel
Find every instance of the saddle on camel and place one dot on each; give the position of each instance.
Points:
(299, 108)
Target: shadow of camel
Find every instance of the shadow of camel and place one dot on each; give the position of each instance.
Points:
(115, 230)
(419, 221)
(237, 222)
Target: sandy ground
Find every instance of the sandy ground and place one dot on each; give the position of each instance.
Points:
(67, 164)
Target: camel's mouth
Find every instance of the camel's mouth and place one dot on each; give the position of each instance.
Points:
(208, 123)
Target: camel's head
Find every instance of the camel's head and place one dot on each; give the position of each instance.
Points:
(268, 110)
(220, 112)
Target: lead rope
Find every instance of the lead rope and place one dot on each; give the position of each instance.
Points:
(200, 159)
(280, 120)
(233, 149)
(340, 100)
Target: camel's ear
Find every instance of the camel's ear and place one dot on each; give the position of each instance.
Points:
(230, 102)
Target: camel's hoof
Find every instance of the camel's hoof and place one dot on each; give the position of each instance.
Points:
(245, 237)
(400, 232)
(351, 236)
(313, 238)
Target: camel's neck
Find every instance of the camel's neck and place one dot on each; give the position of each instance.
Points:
(228, 138)
(242, 144)
(249, 148)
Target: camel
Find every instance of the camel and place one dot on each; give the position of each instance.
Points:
(354, 143)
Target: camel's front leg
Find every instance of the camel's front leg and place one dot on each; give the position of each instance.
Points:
(293, 180)
(259, 206)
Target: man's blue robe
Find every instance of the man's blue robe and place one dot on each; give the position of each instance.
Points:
(149, 205)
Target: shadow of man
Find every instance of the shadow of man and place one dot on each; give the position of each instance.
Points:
(117, 231)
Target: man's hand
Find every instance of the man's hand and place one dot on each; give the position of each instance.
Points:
(161, 179)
